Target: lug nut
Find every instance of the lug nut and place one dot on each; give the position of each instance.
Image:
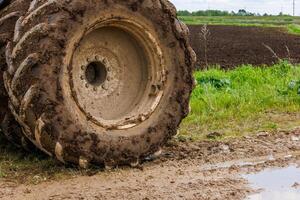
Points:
(104, 86)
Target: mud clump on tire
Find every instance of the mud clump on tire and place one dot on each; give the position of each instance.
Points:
(10, 11)
(105, 83)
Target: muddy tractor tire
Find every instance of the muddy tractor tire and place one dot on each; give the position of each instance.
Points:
(4, 3)
(97, 81)
(10, 11)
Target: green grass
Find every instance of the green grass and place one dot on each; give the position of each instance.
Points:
(288, 22)
(244, 101)
(294, 29)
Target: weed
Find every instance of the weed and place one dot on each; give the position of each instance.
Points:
(204, 36)
(273, 52)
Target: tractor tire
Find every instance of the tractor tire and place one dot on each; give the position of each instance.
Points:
(10, 11)
(97, 81)
(4, 3)
(13, 133)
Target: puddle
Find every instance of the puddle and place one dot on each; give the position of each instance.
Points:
(249, 162)
(239, 163)
(276, 184)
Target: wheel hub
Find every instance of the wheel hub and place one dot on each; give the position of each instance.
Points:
(96, 73)
(117, 74)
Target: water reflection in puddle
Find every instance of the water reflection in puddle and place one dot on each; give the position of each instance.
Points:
(277, 184)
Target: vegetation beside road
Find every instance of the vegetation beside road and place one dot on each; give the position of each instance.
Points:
(292, 24)
(243, 101)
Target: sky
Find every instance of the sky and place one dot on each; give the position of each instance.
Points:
(256, 6)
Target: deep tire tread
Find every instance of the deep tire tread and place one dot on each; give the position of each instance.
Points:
(38, 129)
(8, 17)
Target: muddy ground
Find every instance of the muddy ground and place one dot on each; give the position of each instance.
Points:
(230, 46)
(201, 170)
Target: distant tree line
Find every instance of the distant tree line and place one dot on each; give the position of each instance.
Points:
(241, 12)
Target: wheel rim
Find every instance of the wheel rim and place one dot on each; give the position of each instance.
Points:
(117, 75)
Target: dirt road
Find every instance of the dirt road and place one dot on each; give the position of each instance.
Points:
(202, 170)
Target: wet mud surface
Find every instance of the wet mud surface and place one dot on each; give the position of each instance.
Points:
(245, 168)
(230, 46)
(276, 184)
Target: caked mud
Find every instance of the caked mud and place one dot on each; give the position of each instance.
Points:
(203, 170)
(8, 17)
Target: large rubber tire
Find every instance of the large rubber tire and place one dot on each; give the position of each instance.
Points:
(13, 133)
(4, 3)
(97, 81)
(10, 11)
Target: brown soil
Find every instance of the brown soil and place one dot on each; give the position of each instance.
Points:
(202, 170)
(230, 46)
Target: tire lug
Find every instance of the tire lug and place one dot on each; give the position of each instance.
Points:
(108, 166)
(142, 118)
(154, 156)
(135, 163)
(83, 162)
(104, 86)
(87, 85)
(82, 77)
(158, 153)
(154, 90)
